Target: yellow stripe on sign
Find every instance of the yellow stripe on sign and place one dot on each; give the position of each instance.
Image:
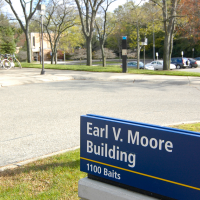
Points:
(142, 174)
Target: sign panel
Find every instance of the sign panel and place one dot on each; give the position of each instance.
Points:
(153, 158)
(124, 52)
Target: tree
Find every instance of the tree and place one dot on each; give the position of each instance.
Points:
(114, 40)
(7, 42)
(79, 54)
(60, 16)
(136, 16)
(189, 25)
(27, 17)
(153, 18)
(108, 54)
(1, 4)
(87, 11)
(105, 26)
(71, 39)
(169, 11)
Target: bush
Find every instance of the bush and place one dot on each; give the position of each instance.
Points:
(22, 55)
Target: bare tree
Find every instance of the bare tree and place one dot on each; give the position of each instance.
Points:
(1, 4)
(108, 53)
(87, 12)
(154, 20)
(137, 17)
(79, 54)
(28, 14)
(169, 10)
(60, 16)
(104, 28)
(169, 25)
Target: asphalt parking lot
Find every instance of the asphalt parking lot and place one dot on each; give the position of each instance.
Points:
(40, 114)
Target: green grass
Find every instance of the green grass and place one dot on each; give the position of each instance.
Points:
(74, 67)
(109, 68)
(51, 178)
(107, 62)
(191, 127)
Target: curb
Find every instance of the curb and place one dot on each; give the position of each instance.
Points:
(21, 163)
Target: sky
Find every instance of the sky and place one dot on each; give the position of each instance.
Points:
(115, 5)
(112, 7)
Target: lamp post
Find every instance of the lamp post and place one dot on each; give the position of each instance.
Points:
(182, 54)
(157, 55)
(153, 43)
(42, 11)
(193, 52)
(144, 43)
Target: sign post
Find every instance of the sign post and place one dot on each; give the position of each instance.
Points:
(154, 159)
(124, 54)
(193, 52)
(157, 55)
(182, 54)
(144, 43)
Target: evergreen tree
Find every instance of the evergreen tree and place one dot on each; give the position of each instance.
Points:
(7, 43)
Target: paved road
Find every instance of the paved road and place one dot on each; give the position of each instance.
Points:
(190, 69)
(40, 114)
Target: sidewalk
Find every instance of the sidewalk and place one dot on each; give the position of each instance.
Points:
(30, 75)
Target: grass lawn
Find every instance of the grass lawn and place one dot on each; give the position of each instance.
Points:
(109, 68)
(51, 178)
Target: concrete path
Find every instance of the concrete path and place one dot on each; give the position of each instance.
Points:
(28, 76)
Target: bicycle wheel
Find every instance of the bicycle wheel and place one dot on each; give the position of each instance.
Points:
(6, 64)
(17, 63)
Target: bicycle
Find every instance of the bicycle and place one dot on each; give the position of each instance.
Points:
(14, 61)
(4, 62)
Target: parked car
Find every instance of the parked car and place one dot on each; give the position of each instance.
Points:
(158, 65)
(180, 62)
(133, 64)
(149, 67)
(193, 62)
(198, 61)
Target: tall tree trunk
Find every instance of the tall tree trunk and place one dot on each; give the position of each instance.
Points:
(29, 57)
(103, 55)
(169, 29)
(89, 50)
(172, 39)
(52, 57)
(56, 57)
(138, 47)
(171, 48)
(166, 52)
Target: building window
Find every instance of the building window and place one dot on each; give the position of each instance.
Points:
(34, 41)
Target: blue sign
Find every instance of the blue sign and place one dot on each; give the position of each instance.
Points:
(124, 37)
(157, 159)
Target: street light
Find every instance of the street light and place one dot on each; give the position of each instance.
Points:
(157, 55)
(182, 54)
(42, 11)
(193, 52)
